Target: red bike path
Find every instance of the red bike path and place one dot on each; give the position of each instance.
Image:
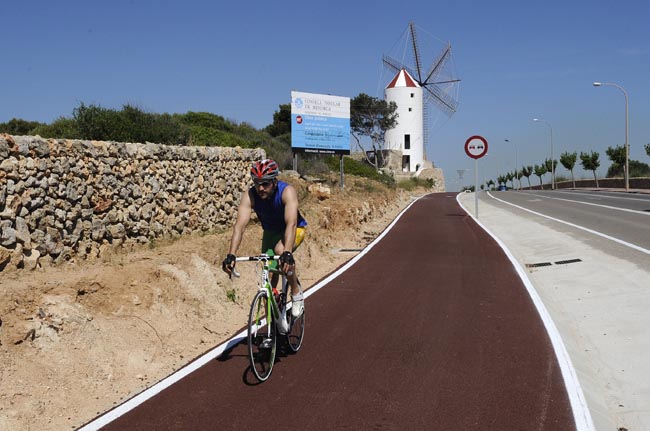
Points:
(431, 329)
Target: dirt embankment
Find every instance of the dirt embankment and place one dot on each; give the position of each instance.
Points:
(77, 339)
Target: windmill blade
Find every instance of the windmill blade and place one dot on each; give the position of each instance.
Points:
(396, 66)
(416, 53)
(445, 102)
(392, 64)
(437, 65)
(451, 81)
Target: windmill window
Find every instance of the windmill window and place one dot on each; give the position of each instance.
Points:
(410, 109)
(412, 95)
(407, 142)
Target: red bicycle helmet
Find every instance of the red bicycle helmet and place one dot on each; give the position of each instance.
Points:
(266, 169)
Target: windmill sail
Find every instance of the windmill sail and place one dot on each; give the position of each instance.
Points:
(436, 90)
(437, 65)
(416, 53)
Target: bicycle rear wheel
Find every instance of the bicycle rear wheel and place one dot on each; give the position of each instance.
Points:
(262, 337)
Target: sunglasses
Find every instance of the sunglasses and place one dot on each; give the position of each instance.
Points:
(264, 184)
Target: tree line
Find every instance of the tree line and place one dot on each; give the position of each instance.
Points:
(590, 161)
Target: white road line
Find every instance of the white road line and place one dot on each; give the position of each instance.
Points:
(600, 234)
(612, 195)
(596, 205)
(132, 403)
(581, 414)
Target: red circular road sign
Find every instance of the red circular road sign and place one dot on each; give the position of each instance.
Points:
(476, 147)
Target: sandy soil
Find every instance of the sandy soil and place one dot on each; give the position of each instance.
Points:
(75, 340)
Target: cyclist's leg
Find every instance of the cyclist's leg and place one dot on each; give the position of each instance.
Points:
(279, 248)
(270, 241)
(296, 293)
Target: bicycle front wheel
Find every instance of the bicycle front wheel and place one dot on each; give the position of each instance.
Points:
(261, 337)
(296, 330)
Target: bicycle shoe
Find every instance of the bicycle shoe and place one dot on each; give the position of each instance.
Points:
(297, 306)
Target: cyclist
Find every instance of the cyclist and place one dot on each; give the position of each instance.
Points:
(276, 205)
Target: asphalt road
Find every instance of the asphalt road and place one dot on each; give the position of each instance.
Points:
(620, 216)
(431, 329)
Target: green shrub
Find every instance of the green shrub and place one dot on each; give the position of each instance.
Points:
(19, 127)
(208, 137)
(361, 169)
(414, 183)
(205, 120)
(62, 128)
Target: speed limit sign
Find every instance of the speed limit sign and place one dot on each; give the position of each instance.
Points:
(476, 147)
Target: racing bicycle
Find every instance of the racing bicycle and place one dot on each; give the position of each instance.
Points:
(270, 316)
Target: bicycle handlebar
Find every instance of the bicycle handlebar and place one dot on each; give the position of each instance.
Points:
(257, 258)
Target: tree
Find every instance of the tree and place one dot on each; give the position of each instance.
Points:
(510, 177)
(372, 117)
(550, 166)
(540, 171)
(590, 162)
(637, 169)
(617, 156)
(281, 121)
(517, 176)
(19, 127)
(568, 160)
(647, 149)
(527, 171)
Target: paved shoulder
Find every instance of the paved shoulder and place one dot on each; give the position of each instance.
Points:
(431, 329)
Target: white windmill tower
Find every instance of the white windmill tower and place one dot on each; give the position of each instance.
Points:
(413, 91)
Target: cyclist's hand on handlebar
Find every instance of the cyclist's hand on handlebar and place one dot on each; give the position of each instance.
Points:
(287, 262)
(228, 264)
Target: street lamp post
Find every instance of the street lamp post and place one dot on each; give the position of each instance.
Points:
(516, 164)
(552, 160)
(627, 144)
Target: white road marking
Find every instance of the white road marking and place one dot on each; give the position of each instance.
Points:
(603, 206)
(145, 395)
(581, 414)
(600, 234)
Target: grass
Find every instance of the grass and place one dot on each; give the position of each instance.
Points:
(231, 295)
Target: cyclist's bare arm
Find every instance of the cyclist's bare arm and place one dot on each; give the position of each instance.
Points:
(243, 217)
(290, 201)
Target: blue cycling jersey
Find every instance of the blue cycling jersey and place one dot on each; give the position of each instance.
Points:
(271, 211)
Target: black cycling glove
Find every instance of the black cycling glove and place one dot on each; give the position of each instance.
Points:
(287, 257)
(226, 265)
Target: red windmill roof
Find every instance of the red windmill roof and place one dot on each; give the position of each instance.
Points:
(403, 79)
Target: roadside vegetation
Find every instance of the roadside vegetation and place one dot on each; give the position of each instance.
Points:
(370, 118)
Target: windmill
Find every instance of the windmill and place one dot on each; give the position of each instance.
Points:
(438, 86)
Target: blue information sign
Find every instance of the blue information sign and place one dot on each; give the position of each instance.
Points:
(320, 123)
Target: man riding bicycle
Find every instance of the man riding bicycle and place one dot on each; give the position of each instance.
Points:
(276, 205)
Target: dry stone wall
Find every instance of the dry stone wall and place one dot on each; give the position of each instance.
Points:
(61, 199)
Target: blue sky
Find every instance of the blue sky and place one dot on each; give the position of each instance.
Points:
(517, 60)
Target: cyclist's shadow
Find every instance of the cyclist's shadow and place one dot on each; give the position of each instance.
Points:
(283, 350)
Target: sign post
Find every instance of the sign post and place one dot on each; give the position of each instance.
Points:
(476, 147)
